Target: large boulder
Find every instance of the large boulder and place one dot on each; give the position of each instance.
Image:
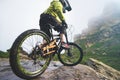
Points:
(96, 70)
(104, 71)
(78, 72)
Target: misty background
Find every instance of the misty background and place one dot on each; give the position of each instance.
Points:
(17, 16)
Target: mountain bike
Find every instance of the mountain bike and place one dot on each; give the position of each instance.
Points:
(32, 51)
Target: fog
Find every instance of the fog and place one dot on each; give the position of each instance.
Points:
(17, 16)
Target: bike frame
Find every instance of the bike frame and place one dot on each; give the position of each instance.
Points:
(54, 35)
(58, 39)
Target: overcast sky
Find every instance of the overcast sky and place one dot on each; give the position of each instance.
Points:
(17, 16)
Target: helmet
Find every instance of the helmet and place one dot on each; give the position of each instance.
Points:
(66, 5)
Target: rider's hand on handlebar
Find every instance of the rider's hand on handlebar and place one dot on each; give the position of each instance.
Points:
(64, 24)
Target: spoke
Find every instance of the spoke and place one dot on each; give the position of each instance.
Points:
(71, 56)
(28, 45)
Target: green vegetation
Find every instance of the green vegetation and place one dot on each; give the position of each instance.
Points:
(102, 39)
(4, 54)
(103, 48)
(113, 61)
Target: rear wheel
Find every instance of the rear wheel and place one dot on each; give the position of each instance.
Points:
(25, 57)
(71, 56)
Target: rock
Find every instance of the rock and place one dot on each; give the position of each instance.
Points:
(104, 71)
(78, 72)
(56, 71)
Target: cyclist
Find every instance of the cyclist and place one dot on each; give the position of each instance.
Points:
(54, 16)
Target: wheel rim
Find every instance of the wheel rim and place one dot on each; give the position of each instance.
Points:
(73, 58)
(26, 64)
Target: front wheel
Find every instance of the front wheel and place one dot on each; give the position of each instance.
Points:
(25, 58)
(71, 56)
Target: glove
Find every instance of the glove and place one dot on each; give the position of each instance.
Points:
(64, 24)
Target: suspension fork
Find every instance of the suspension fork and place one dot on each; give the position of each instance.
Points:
(69, 53)
(66, 36)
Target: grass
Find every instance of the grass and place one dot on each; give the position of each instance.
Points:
(4, 54)
(113, 61)
(107, 51)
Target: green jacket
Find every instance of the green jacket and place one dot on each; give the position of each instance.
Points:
(56, 9)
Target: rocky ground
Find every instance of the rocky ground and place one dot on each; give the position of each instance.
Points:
(7, 74)
(56, 71)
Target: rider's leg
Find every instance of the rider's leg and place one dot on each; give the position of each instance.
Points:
(45, 19)
(42, 23)
(64, 44)
(61, 37)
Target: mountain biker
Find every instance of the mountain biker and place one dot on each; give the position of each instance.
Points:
(54, 16)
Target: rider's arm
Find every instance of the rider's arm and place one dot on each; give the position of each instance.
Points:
(59, 10)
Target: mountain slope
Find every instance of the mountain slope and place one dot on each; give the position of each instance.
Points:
(102, 38)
